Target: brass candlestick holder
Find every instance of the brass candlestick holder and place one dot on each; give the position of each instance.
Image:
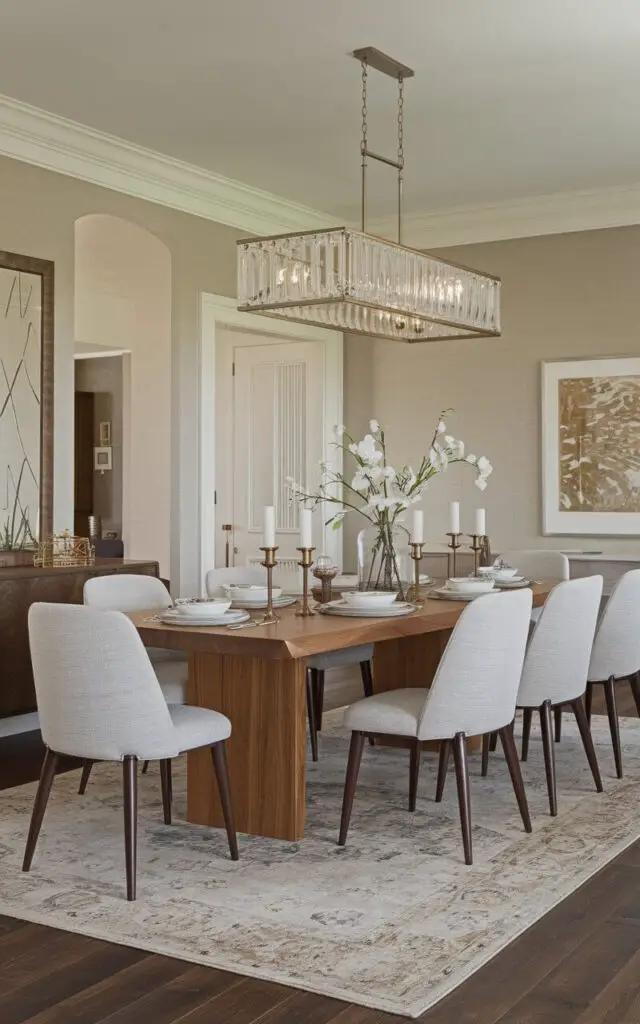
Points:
(269, 564)
(416, 554)
(477, 546)
(454, 544)
(325, 573)
(305, 563)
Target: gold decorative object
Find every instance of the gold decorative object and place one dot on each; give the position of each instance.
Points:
(349, 280)
(325, 572)
(477, 546)
(269, 564)
(63, 549)
(305, 563)
(416, 554)
(454, 544)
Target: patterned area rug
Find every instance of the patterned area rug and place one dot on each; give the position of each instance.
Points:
(394, 921)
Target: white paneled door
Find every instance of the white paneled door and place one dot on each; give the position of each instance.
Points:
(274, 405)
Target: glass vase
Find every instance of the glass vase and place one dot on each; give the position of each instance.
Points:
(384, 562)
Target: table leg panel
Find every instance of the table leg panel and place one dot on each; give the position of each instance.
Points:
(266, 704)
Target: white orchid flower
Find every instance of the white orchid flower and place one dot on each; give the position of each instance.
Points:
(484, 464)
(481, 483)
(388, 473)
(472, 459)
(340, 430)
(360, 482)
(374, 426)
(367, 451)
(441, 427)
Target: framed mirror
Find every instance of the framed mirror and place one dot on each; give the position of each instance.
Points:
(26, 401)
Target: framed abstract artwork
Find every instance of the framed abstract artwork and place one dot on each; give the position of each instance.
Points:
(591, 447)
(26, 400)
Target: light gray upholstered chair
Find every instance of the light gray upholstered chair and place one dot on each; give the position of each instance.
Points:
(317, 666)
(129, 592)
(616, 653)
(541, 564)
(555, 670)
(473, 692)
(99, 699)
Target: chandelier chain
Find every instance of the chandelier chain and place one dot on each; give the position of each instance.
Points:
(363, 144)
(401, 120)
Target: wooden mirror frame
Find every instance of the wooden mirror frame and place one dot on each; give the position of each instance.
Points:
(44, 270)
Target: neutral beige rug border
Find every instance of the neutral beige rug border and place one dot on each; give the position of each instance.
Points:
(344, 994)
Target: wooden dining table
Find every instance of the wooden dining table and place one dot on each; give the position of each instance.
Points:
(257, 677)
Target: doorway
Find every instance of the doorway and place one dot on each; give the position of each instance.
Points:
(98, 456)
(271, 395)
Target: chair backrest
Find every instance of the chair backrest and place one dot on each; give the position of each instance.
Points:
(616, 648)
(557, 659)
(475, 686)
(98, 696)
(217, 579)
(539, 565)
(126, 592)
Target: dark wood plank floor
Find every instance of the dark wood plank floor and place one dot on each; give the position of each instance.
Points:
(579, 965)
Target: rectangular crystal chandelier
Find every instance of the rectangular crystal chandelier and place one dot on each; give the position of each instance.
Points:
(351, 281)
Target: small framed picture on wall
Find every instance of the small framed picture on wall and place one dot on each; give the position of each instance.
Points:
(102, 458)
(105, 434)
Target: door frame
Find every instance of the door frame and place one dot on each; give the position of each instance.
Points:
(219, 311)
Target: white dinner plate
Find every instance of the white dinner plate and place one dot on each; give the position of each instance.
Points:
(444, 594)
(392, 611)
(174, 618)
(278, 602)
(513, 584)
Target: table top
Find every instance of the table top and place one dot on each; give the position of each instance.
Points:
(296, 637)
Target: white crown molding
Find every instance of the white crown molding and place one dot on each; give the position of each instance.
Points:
(57, 144)
(519, 218)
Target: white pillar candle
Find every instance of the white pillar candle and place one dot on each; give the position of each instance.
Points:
(481, 522)
(269, 527)
(306, 528)
(454, 517)
(417, 529)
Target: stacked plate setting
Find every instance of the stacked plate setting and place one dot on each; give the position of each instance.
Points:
(367, 604)
(202, 613)
(467, 588)
(252, 596)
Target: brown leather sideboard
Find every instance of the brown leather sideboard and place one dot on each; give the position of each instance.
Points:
(20, 587)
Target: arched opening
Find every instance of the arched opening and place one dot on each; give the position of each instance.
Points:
(123, 312)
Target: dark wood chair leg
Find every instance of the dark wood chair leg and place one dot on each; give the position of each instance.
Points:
(511, 756)
(219, 758)
(493, 742)
(464, 802)
(367, 686)
(367, 678)
(549, 756)
(443, 764)
(614, 725)
(414, 771)
(317, 680)
(588, 700)
(165, 780)
(311, 715)
(47, 773)
(527, 718)
(634, 681)
(557, 717)
(486, 743)
(130, 801)
(353, 767)
(587, 740)
(145, 768)
(86, 772)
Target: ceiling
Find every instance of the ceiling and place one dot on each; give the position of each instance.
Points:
(510, 98)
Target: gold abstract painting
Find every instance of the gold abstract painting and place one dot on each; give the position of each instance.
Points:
(599, 444)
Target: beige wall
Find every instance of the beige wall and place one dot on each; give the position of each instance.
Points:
(39, 210)
(564, 296)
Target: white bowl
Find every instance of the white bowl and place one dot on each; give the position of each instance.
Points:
(505, 573)
(370, 598)
(250, 592)
(487, 570)
(470, 583)
(198, 608)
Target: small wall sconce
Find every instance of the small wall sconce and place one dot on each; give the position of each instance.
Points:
(102, 459)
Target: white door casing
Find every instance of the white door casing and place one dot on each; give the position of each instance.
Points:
(288, 375)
